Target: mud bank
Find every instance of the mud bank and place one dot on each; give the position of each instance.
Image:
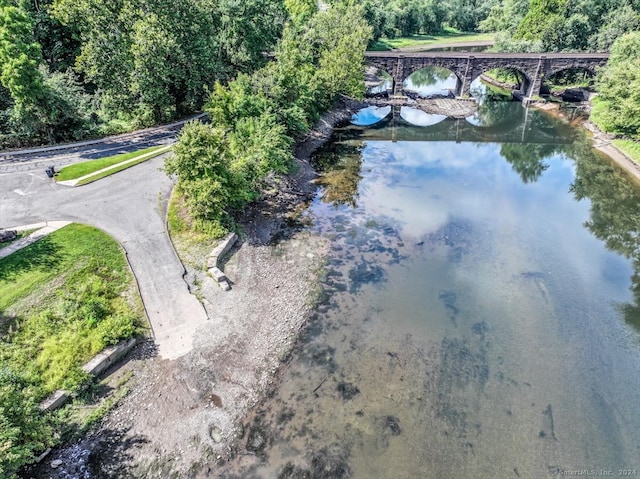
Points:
(188, 412)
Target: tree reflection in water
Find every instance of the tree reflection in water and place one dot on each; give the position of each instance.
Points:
(430, 76)
(340, 166)
(528, 159)
(615, 199)
(615, 211)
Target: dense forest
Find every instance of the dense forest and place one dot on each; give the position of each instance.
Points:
(72, 69)
(520, 25)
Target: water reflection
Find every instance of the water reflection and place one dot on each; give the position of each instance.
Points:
(419, 117)
(370, 115)
(471, 315)
(528, 160)
(340, 174)
(385, 86)
(615, 212)
(431, 81)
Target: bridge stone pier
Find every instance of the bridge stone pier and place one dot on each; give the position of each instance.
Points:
(534, 67)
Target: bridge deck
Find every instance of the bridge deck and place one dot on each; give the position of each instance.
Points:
(487, 55)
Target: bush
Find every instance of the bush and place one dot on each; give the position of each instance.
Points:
(24, 431)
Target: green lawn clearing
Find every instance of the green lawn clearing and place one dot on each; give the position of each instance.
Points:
(447, 37)
(630, 148)
(63, 299)
(79, 170)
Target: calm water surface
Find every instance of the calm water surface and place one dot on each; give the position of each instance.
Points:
(480, 313)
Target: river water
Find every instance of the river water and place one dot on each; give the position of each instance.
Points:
(480, 313)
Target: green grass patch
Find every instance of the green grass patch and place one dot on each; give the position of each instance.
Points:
(630, 148)
(449, 36)
(114, 170)
(79, 170)
(192, 240)
(63, 299)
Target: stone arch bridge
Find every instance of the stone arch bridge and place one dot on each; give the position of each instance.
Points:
(535, 67)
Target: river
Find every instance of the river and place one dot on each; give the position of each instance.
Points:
(480, 312)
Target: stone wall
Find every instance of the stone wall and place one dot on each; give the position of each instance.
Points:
(535, 67)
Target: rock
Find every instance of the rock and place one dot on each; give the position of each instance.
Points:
(8, 235)
(392, 423)
(216, 434)
(217, 275)
(257, 439)
(212, 262)
(348, 390)
(55, 464)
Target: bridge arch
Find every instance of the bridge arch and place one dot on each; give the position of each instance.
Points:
(432, 80)
(526, 75)
(535, 67)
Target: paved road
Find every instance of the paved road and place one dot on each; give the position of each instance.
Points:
(130, 206)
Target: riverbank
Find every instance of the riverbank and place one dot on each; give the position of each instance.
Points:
(601, 141)
(604, 142)
(190, 411)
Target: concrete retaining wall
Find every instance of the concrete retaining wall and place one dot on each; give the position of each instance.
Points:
(214, 264)
(95, 366)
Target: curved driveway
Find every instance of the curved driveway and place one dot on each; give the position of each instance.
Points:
(130, 206)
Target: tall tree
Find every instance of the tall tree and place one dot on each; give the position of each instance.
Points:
(617, 107)
(20, 56)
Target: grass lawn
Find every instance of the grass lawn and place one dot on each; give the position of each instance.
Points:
(631, 148)
(78, 170)
(448, 36)
(63, 299)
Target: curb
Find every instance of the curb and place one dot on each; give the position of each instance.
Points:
(150, 155)
(97, 365)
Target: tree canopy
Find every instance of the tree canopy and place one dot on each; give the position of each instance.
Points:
(617, 107)
(73, 68)
(255, 118)
(561, 25)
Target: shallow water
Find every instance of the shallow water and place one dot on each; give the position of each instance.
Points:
(478, 316)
